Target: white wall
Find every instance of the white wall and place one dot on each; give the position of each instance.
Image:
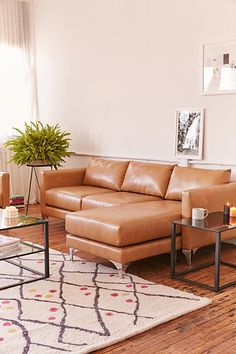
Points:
(113, 72)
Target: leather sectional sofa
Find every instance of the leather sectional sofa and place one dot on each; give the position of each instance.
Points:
(122, 210)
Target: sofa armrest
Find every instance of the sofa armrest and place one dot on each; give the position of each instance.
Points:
(212, 198)
(59, 178)
(62, 178)
(5, 188)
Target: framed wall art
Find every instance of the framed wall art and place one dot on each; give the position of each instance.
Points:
(219, 68)
(189, 134)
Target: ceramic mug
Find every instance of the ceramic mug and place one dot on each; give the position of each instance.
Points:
(199, 213)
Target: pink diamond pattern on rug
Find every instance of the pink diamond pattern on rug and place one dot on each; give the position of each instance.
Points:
(82, 307)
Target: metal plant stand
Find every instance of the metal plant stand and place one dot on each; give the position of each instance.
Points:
(33, 167)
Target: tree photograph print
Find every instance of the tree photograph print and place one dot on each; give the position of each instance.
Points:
(189, 134)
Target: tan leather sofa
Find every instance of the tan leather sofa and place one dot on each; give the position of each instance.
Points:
(4, 189)
(122, 210)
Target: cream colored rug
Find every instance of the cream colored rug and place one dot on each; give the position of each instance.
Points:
(82, 307)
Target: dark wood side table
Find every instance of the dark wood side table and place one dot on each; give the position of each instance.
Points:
(33, 167)
(214, 222)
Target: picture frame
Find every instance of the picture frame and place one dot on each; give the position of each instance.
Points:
(189, 133)
(219, 68)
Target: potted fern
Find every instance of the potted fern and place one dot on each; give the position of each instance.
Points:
(39, 144)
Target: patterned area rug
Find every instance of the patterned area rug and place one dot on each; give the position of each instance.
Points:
(82, 307)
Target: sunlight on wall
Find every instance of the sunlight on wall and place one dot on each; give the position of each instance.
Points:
(15, 93)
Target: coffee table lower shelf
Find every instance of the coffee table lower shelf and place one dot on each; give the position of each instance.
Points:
(27, 249)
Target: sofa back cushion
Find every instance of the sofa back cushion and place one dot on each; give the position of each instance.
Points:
(147, 178)
(105, 173)
(184, 178)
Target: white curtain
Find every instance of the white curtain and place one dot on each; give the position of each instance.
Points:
(18, 101)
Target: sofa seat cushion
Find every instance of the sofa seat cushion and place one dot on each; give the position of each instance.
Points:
(147, 178)
(184, 178)
(126, 224)
(105, 173)
(115, 198)
(69, 198)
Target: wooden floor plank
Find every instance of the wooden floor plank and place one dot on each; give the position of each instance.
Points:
(210, 330)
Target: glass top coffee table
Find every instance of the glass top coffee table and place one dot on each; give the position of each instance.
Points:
(217, 223)
(27, 248)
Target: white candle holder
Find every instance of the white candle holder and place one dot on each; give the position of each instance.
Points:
(11, 212)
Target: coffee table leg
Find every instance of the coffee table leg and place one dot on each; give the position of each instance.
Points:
(173, 249)
(217, 261)
(46, 252)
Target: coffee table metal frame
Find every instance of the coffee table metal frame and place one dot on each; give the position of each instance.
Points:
(27, 248)
(205, 225)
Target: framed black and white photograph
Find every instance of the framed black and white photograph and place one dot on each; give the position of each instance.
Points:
(219, 68)
(189, 134)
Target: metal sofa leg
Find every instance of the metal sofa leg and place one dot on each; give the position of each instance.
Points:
(189, 254)
(71, 253)
(120, 267)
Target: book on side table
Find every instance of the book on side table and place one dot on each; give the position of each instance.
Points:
(18, 201)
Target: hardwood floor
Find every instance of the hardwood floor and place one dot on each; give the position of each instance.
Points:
(208, 330)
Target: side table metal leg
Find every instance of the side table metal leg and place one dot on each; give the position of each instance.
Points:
(217, 261)
(173, 250)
